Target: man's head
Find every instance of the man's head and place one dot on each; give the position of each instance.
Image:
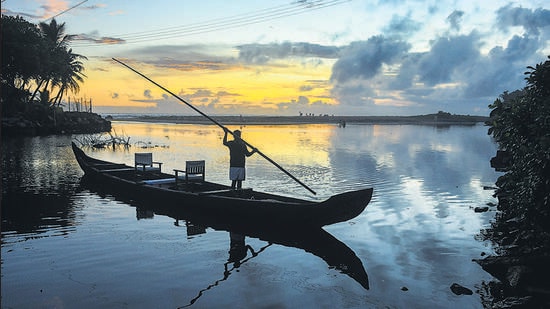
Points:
(237, 133)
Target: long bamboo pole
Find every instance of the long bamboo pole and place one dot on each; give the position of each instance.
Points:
(218, 124)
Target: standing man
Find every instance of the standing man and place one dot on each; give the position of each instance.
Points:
(238, 151)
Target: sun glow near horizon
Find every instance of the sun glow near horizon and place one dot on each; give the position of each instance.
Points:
(248, 89)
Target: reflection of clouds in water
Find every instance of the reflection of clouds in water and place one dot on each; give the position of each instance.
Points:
(385, 161)
(442, 159)
(426, 181)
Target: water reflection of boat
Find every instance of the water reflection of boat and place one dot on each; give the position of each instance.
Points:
(314, 240)
(207, 198)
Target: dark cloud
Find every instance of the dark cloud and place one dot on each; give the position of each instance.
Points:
(354, 94)
(147, 94)
(303, 105)
(211, 103)
(455, 19)
(199, 93)
(531, 20)
(401, 26)
(182, 57)
(226, 94)
(306, 106)
(364, 59)
(453, 70)
(303, 100)
(446, 54)
(146, 101)
(192, 52)
(519, 47)
(262, 53)
(205, 95)
(305, 88)
(407, 73)
(206, 99)
(189, 65)
(457, 60)
(453, 74)
(23, 14)
(165, 105)
(433, 9)
(92, 7)
(91, 38)
(500, 70)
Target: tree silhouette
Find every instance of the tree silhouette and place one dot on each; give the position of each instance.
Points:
(37, 57)
(520, 124)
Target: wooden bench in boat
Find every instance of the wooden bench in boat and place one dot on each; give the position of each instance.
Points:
(246, 190)
(107, 164)
(144, 160)
(111, 167)
(124, 169)
(194, 170)
(161, 181)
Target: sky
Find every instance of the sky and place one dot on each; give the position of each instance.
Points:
(321, 57)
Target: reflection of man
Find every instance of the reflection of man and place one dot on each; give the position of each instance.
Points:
(238, 151)
(237, 252)
(237, 248)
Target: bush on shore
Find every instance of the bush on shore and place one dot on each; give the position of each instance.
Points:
(520, 124)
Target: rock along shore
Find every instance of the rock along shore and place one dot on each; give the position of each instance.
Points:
(55, 123)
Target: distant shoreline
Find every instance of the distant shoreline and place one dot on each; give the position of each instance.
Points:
(430, 119)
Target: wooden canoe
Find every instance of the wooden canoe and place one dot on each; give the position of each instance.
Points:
(208, 199)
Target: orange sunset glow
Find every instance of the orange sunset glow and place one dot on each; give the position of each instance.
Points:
(262, 89)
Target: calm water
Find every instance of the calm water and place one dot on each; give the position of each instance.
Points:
(65, 245)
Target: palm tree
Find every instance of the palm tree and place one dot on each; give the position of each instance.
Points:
(55, 33)
(63, 68)
(53, 38)
(70, 75)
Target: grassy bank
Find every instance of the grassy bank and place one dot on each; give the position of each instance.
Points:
(430, 119)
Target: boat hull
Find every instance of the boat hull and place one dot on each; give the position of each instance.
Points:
(199, 201)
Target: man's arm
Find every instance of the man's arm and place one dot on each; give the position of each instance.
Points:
(225, 136)
(249, 153)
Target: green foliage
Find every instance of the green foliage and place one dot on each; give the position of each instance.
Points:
(21, 50)
(36, 60)
(520, 124)
(21, 46)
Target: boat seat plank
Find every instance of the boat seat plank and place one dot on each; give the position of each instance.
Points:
(127, 169)
(108, 164)
(189, 177)
(223, 191)
(160, 181)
